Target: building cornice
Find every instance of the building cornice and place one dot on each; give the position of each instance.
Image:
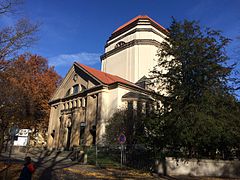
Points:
(80, 94)
(135, 88)
(110, 41)
(96, 89)
(130, 44)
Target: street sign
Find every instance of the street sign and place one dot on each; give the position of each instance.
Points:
(122, 138)
(13, 131)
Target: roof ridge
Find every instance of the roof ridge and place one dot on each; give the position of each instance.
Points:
(137, 18)
(108, 78)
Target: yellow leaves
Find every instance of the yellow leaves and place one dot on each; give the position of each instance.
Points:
(13, 170)
(90, 173)
(108, 173)
(30, 78)
(132, 173)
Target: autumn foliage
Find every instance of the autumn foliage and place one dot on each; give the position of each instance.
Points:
(27, 85)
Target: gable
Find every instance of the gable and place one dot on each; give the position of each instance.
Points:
(76, 81)
(86, 78)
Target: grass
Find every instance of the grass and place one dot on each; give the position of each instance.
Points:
(104, 158)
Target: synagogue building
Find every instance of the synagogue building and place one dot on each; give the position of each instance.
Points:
(87, 98)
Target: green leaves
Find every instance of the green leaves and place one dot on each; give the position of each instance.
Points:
(200, 115)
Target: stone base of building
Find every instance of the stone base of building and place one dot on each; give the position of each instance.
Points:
(195, 167)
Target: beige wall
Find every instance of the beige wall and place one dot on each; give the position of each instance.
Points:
(50, 126)
(137, 35)
(109, 101)
(74, 108)
(136, 61)
(132, 63)
(205, 167)
(115, 102)
(68, 83)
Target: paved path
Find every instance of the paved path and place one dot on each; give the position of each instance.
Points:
(54, 166)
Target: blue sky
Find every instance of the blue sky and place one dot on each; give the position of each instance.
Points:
(76, 30)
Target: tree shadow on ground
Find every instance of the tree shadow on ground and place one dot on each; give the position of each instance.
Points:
(10, 170)
(47, 162)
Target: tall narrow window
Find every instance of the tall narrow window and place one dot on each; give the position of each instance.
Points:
(119, 44)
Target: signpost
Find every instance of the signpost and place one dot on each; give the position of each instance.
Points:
(22, 137)
(122, 140)
(12, 133)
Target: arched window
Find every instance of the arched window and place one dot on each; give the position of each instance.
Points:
(75, 89)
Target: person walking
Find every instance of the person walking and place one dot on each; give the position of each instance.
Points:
(28, 169)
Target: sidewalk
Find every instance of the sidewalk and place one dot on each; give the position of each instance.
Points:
(53, 165)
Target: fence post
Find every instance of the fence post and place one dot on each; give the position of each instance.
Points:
(96, 154)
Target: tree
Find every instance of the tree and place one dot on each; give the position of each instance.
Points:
(12, 39)
(28, 84)
(8, 6)
(120, 122)
(199, 115)
(130, 123)
(17, 37)
(11, 102)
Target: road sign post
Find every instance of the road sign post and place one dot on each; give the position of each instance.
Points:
(12, 133)
(122, 140)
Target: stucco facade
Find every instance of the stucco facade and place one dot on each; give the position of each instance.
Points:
(133, 48)
(87, 98)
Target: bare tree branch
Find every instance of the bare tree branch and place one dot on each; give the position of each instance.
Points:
(9, 6)
(12, 39)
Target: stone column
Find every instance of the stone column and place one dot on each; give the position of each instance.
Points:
(50, 128)
(57, 125)
(70, 104)
(61, 132)
(90, 118)
(75, 127)
(79, 104)
(103, 108)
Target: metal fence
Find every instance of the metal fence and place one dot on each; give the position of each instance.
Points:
(115, 156)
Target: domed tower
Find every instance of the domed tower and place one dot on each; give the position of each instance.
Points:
(130, 51)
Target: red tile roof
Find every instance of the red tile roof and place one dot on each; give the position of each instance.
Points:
(105, 78)
(140, 17)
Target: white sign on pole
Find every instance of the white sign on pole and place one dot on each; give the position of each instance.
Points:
(22, 137)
